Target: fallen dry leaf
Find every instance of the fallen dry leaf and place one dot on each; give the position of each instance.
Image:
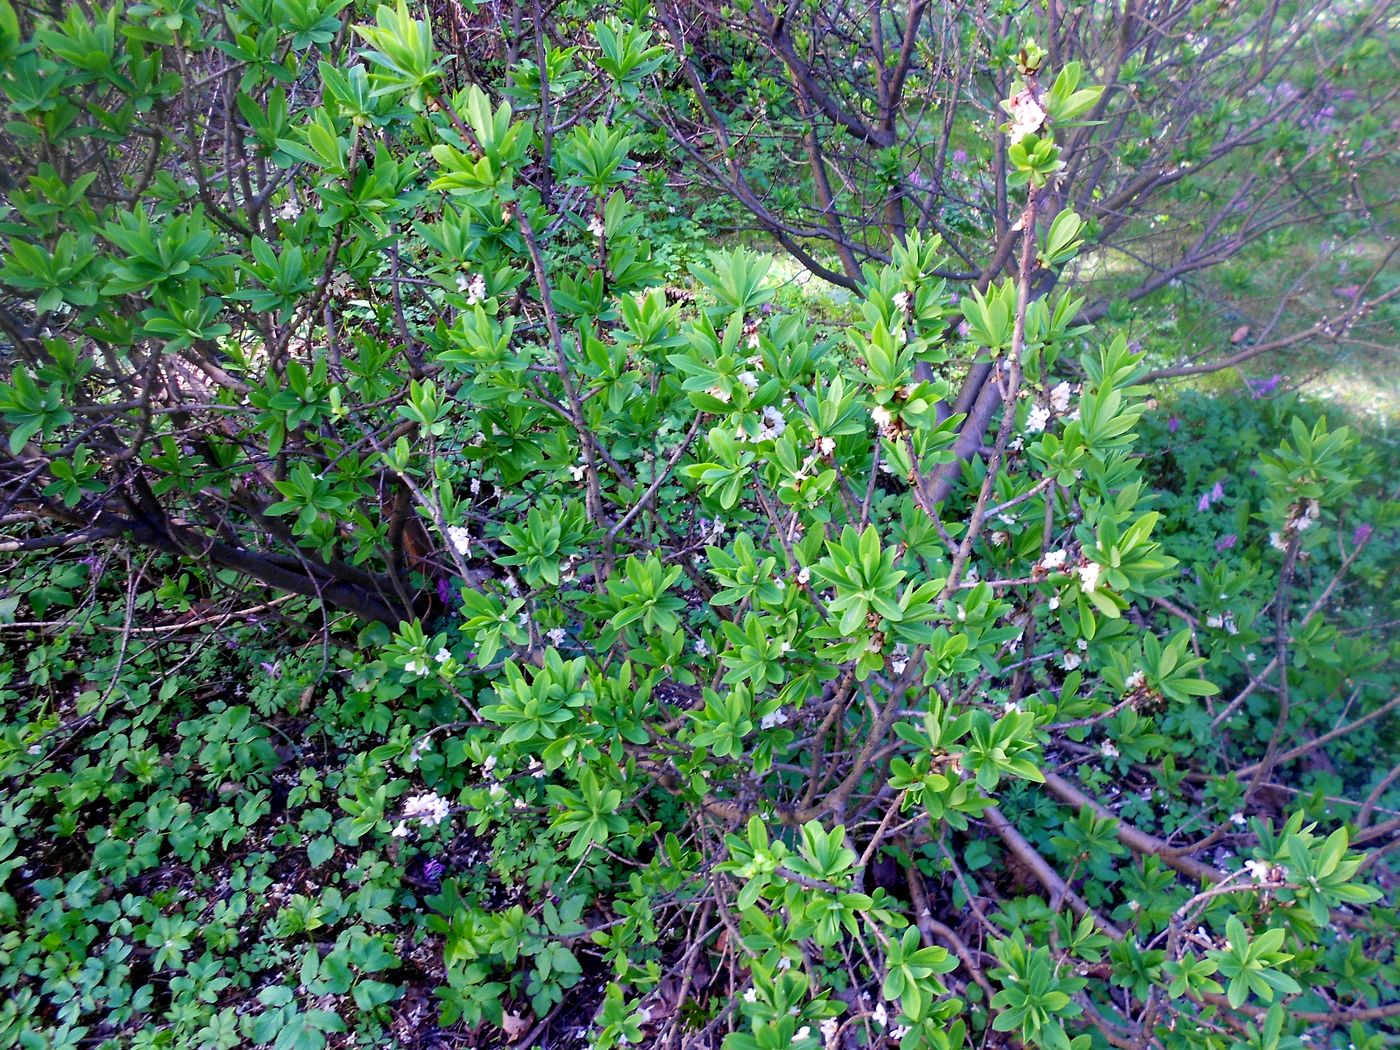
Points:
(514, 1026)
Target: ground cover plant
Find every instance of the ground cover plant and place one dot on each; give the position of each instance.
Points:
(452, 601)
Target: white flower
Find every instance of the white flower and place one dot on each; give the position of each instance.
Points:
(751, 995)
(805, 1032)
(1027, 115)
(826, 446)
(702, 648)
(416, 667)
(999, 538)
(595, 227)
(1036, 420)
(804, 575)
(289, 210)
(1053, 560)
(898, 1032)
(1088, 574)
(442, 655)
(474, 288)
(1108, 750)
(1237, 819)
(578, 470)
(428, 808)
(773, 424)
(1277, 542)
(748, 380)
(829, 1028)
(400, 830)
(880, 1016)
(460, 538)
(719, 394)
(1059, 396)
(556, 636)
(1136, 680)
(1261, 870)
(881, 415)
(899, 659)
(775, 718)
(1070, 661)
(901, 301)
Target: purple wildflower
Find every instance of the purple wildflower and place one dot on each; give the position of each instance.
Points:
(1203, 504)
(1268, 386)
(444, 590)
(1217, 492)
(1173, 425)
(1226, 543)
(1361, 533)
(959, 156)
(433, 872)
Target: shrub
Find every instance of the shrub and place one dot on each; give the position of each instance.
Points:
(675, 666)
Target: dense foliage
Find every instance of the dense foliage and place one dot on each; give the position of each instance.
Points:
(452, 603)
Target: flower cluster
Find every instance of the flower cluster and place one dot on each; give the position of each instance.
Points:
(1027, 114)
(460, 538)
(1215, 494)
(474, 288)
(1057, 404)
(428, 808)
(1301, 516)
